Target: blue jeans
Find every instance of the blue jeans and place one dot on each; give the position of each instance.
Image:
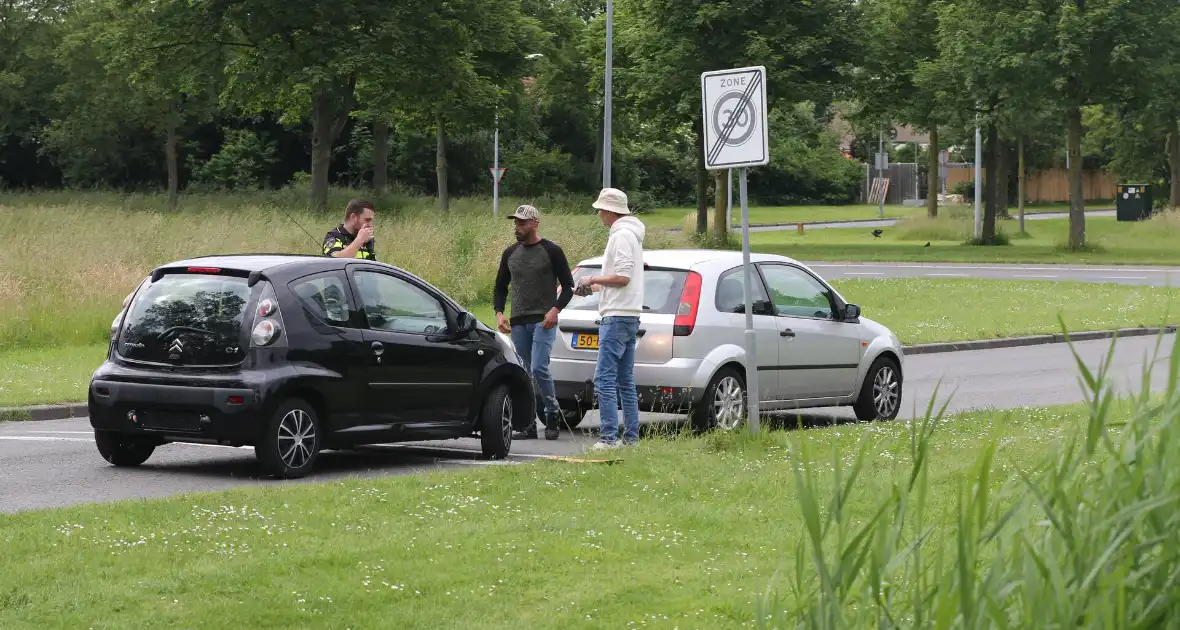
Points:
(614, 378)
(534, 344)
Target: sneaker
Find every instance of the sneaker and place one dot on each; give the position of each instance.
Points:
(527, 434)
(604, 446)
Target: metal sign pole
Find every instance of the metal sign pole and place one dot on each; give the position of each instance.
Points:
(496, 173)
(881, 167)
(729, 202)
(752, 389)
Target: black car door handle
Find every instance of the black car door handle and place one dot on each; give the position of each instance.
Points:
(787, 333)
(378, 348)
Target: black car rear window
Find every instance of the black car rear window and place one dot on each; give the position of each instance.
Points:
(187, 319)
(661, 290)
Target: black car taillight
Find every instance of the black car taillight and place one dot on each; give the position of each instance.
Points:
(267, 329)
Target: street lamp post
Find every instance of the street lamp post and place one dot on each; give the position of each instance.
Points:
(606, 125)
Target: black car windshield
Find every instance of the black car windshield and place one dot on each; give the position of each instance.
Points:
(187, 319)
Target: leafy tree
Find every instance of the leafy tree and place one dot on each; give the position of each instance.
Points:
(665, 45)
(902, 38)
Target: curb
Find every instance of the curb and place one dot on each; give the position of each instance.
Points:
(1034, 340)
(44, 412)
(80, 410)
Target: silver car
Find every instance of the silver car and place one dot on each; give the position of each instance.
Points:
(814, 349)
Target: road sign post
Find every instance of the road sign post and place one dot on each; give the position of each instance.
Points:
(496, 173)
(734, 106)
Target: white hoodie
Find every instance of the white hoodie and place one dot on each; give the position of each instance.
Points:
(623, 257)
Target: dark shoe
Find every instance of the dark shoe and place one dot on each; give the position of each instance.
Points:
(551, 428)
(527, 434)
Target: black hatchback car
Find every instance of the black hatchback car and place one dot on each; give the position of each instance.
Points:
(293, 354)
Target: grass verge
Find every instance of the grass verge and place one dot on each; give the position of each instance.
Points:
(101, 248)
(1026, 518)
(918, 310)
(1151, 242)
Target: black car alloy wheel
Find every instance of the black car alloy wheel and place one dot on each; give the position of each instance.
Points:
(292, 440)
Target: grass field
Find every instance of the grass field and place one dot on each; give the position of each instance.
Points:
(1156, 241)
(79, 256)
(918, 310)
(1028, 518)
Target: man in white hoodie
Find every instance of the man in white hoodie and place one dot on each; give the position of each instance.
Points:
(619, 304)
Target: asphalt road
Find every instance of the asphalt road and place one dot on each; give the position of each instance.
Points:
(875, 223)
(54, 463)
(1117, 274)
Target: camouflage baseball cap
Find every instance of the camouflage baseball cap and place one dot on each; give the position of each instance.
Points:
(526, 213)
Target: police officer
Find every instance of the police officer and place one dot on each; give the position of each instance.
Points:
(354, 237)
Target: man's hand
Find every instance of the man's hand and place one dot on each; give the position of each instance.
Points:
(502, 323)
(365, 235)
(550, 318)
(584, 287)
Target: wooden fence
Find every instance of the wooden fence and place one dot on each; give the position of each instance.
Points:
(1050, 185)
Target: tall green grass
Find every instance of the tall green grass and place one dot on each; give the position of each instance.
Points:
(70, 259)
(1087, 539)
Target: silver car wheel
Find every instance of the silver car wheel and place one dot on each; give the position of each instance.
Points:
(506, 420)
(729, 403)
(296, 437)
(885, 392)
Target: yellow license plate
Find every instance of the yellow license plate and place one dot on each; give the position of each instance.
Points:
(585, 342)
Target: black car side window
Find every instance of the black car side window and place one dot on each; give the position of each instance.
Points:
(326, 296)
(731, 293)
(394, 305)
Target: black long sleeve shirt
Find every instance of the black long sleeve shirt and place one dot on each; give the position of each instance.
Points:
(533, 271)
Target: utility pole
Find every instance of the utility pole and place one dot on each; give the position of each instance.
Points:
(496, 172)
(606, 127)
(978, 178)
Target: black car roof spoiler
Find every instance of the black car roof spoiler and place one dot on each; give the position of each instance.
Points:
(252, 277)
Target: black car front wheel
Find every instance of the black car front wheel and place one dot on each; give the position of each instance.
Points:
(123, 450)
(291, 440)
(495, 423)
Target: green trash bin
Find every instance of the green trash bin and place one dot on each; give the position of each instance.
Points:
(1133, 202)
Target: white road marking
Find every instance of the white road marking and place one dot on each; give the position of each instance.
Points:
(1124, 277)
(64, 432)
(863, 273)
(997, 267)
(42, 438)
(1034, 276)
(53, 438)
(947, 275)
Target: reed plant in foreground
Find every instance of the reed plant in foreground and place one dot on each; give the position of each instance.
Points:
(1088, 539)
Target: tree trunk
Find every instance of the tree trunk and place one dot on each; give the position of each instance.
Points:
(380, 155)
(171, 152)
(932, 168)
(440, 166)
(702, 181)
(1021, 179)
(991, 183)
(330, 107)
(721, 210)
(1003, 174)
(1174, 158)
(321, 153)
(1077, 202)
